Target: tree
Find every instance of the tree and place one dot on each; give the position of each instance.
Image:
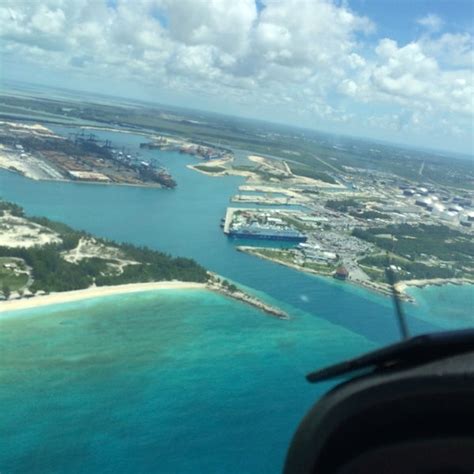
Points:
(6, 290)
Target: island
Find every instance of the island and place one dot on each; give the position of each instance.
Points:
(46, 262)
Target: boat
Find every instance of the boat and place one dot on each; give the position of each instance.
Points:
(157, 175)
(267, 233)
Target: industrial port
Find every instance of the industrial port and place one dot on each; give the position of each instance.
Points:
(310, 205)
(38, 153)
(205, 151)
(355, 230)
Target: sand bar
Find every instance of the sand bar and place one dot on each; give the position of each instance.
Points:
(94, 292)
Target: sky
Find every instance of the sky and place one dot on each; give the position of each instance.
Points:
(394, 70)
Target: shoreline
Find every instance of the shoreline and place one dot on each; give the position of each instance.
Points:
(73, 181)
(379, 288)
(375, 287)
(94, 292)
(402, 286)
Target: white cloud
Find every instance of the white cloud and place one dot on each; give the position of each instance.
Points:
(313, 58)
(406, 75)
(401, 72)
(455, 50)
(431, 22)
(211, 22)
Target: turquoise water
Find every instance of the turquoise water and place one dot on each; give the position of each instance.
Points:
(449, 306)
(157, 382)
(178, 381)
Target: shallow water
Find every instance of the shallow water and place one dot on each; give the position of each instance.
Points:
(173, 381)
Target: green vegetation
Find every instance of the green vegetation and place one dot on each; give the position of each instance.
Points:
(277, 254)
(376, 274)
(13, 274)
(309, 172)
(229, 286)
(12, 208)
(210, 169)
(69, 236)
(272, 252)
(413, 242)
(375, 268)
(51, 272)
(369, 215)
(322, 268)
(423, 251)
(343, 205)
(6, 290)
(287, 256)
(154, 266)
(297, 224)
(251, 168)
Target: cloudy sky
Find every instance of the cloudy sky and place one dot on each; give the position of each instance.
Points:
(395, 70)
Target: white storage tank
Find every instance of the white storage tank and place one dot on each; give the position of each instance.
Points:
(438, 209)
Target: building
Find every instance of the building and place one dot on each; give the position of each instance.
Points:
(88, 176)
(424, 202)
(341, 273)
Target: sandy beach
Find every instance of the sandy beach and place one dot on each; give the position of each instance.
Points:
(94, 292)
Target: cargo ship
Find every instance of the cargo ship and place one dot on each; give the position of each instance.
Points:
(165, 179)
(157, 175)
(266, 233)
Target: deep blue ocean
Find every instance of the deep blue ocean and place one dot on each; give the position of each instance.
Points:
(179, 381)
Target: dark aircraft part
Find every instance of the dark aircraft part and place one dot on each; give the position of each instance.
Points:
(413, 414)
(391, 278)
(417, 350)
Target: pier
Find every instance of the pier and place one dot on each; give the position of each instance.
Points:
(228, 218)
(266, 200)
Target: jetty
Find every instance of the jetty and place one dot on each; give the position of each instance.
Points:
(219, 285)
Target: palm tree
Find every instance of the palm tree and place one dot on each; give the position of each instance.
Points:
(6, 290)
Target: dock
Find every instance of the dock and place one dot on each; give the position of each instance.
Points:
(266, 200)
(228, 218)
